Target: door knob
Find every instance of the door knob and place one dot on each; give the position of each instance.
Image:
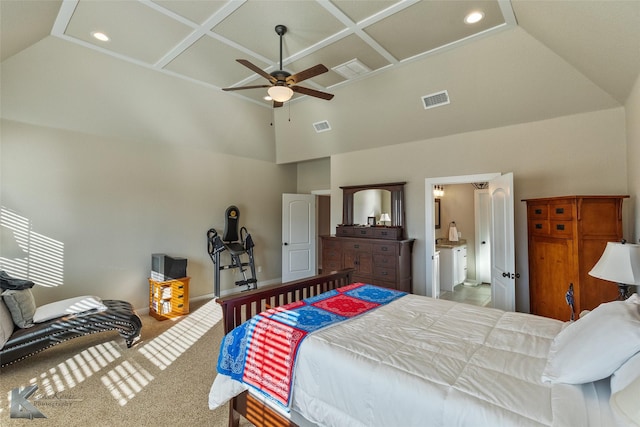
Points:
(285, 243)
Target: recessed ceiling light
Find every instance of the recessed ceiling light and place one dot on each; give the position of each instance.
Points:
(100, 36)
(473, 17)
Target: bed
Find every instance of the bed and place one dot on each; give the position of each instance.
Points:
(421, 361)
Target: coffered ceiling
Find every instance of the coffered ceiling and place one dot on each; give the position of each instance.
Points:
(527, 60)
(201, 40)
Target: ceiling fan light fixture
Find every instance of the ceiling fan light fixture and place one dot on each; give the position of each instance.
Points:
(280, 93)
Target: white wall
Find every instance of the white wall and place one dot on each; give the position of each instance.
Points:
(579, 154)
(632, 108)
(489, 84)
(108, 204)
(314, 175)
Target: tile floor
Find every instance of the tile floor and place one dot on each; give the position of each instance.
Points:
(475, 295)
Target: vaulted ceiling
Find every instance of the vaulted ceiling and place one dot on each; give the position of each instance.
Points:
(372, 41)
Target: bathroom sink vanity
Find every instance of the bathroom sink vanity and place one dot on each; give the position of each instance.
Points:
(453, 263)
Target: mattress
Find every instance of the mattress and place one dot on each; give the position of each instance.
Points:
(420, 361)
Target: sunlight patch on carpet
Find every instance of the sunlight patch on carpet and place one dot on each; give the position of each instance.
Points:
(76, 369)
(125, 381)
(167, 347)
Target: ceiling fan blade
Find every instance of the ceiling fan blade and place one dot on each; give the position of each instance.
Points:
(277, 104)
(312, 92)
(306, 74)
(245, 87)
(257, 70)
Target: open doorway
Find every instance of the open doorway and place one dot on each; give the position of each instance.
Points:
(502, 252)
(467, 206)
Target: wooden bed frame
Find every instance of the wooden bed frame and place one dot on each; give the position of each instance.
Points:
(238, 308)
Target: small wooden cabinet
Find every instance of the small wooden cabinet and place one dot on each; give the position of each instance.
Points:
(169, 299)
(380, 262)
(567, 236)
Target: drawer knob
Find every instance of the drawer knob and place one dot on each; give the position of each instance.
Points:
(538, 226)
(560, 227)
(559, 210)
(538, 211)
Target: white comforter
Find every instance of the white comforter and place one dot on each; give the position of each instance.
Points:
(424, 362)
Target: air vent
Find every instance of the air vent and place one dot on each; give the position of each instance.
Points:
(436, 99)
(351, 69)
(322, 126)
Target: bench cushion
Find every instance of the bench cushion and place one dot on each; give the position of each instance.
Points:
(83, 304)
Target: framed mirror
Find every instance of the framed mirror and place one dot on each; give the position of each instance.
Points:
(359, 202)
(436, 213)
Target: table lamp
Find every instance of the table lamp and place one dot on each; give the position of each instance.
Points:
(620, 263)
(384, 218)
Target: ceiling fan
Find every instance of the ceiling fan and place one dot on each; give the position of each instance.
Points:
(283, 84)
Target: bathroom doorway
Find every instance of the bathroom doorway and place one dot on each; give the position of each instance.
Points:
(502, 251)
(468, 207)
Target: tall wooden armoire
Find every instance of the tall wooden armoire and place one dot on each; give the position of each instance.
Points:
(567, 236)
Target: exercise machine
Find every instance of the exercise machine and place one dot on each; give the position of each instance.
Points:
(239, 244)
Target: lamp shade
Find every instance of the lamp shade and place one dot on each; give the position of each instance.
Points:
(385, 217)
(620, 263)
(280, 93)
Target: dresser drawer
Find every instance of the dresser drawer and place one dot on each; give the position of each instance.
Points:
(384, 248)
(383, 273)
(539, 227)
(344, 231)
(391, 233)
(538, 212)
(363, 232)
(356, 246)
(383, 260)
(561, 211)
(561, 228)
(332, 254)
(331, 243)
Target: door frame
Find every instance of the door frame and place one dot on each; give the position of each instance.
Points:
(430, 236)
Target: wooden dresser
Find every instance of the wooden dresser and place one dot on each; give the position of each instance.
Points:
(377, 261)
(567, 236)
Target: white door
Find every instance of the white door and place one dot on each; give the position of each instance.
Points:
(298, 236)
(482, 203)
(503, 262)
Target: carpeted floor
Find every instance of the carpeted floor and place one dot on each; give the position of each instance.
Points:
(164, 380)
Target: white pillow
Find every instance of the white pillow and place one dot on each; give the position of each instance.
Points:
(594, 346)
(68, 306)
(625, 390)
